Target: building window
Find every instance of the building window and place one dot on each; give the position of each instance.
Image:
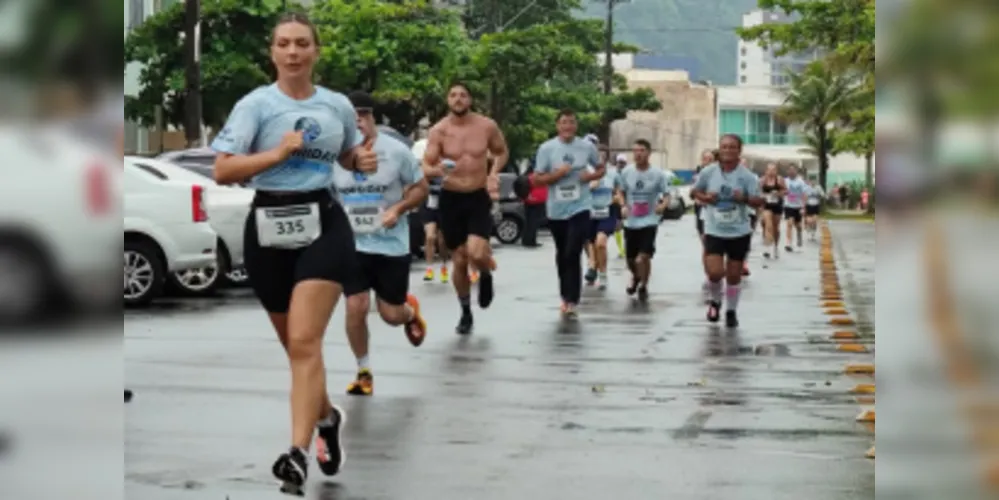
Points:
(742, 79)
(743, 65)
(759, 130)
(136, 13)
(732, 121)
(744, 51)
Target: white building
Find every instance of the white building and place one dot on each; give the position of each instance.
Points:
(136, 11)
(759, 67)
(750, 112)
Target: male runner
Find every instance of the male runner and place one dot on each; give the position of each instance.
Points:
(620, 162)
(566, 165)
(794, 202)
(813, 207)
(467, 193)
(591, 259)
(730, 193)
(377, 204)
(430, 215)
(641, 187)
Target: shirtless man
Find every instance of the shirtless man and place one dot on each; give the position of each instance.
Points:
(467, 193)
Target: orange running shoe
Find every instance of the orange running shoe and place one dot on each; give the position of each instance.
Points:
(416, 330)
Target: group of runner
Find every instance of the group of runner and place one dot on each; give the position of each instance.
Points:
(329, 219)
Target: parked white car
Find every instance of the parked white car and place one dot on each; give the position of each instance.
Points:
(166, 229)
(59, 207)
(227, 207)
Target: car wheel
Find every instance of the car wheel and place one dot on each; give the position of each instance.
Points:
(144, 273)
(508, 230)
(201, 282)
(24, 286)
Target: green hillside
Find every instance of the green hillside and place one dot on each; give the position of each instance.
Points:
(702, 29)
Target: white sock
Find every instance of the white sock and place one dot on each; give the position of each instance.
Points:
(363, 363)
(715, 288)
(732, 293)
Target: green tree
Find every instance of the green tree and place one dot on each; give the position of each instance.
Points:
(405, 53)
(489, 16)
(529, 74)
(234, 59)
(817, 99)
(857, 137)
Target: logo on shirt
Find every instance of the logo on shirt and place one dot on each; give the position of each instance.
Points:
(360, 177)
(568, 159)
(309, 127)
(640, 185)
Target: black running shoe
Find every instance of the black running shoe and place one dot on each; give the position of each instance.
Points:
(485, 289)
(292, 469)
(464, 325)
(788, 249)
(128, 395)
(633, 287)
(591, 276)
(643, 294)
(731, 319)
(714, 311)
(329, 448)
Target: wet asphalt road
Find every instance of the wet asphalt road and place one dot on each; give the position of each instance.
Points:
(633, 403)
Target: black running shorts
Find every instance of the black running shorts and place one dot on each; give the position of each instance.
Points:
(640, 241)
(274, 272)
(387, 276)
(793, 214)
(735, 249)
(812, 210)
(463, 215)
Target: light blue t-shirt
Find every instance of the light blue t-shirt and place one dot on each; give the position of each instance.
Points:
(726, 218)
(365, 197)
(815, 195)
(569, 196)
(603, 195)
(260, 120)
(797, 190)
(642, 191)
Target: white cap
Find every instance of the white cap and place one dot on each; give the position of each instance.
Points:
(593, 138)
(621, 158)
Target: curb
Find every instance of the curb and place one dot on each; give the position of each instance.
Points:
(847, 340)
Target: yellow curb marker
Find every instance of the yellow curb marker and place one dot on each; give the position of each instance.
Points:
(853, 348)
(842, 321)
(866, 416)
(860, 369)
(845, 335)
(870, 453)
(836, 312)
(865, 389)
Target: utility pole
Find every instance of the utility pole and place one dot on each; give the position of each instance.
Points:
(604, 132)
(192, 91)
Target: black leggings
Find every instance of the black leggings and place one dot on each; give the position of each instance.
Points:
(570, 237)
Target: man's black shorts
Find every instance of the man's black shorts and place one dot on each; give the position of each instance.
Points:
(463, 215)
(812, 210)
(640, 241)
(387, 276)
(736, 249)
(430, 216)
(793, 214)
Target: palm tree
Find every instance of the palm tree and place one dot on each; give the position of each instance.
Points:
(817, 99)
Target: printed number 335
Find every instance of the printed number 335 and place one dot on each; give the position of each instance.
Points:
(290, 227)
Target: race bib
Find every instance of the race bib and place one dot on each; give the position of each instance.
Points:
(289, 227)
(813, 202)
(600, 213)
(365, 218)
(567, 193)
(792, 198)
(727, 217)
(773, 198)
(433, 201)
(640, 209)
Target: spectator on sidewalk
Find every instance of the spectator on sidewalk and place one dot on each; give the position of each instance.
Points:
(534, 211)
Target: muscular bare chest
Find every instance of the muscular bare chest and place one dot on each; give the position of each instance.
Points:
(466, 141)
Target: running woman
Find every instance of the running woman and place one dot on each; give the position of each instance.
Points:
(603, 223)
(283, 140)
(730, 193)
(644, 196)
(813, 207)
(566, 165)
(467, 194)
(376, 206)
(794, 205)
(772, 187)
(433, 244)
(753, 220)
(619, 163)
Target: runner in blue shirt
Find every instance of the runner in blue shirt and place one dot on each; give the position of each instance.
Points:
(283, 140)
(794, 205)
(377, 205)
(729, 192)
(644, 191)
